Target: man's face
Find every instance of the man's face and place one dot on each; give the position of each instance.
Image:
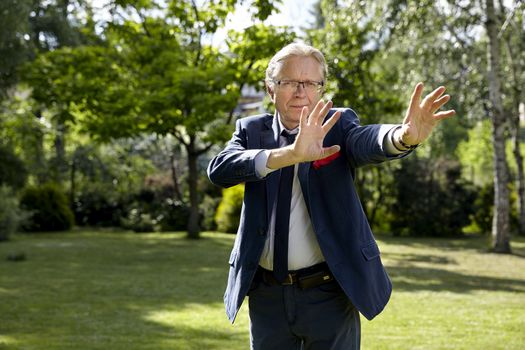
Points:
(289, 101)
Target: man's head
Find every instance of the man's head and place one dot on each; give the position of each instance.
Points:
(295, 78)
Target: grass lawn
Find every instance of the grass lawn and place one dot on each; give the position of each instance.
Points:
(103, 290)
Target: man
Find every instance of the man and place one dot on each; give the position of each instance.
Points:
(304, 252)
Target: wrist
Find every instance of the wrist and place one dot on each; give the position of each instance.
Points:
(282, 157)
(399, 143)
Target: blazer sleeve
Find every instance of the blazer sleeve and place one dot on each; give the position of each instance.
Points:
(235, 163)
(365, 144)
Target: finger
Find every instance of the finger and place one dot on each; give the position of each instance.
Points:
(314, 116)
(331, 122)
(328, 151)
(429, 100)
(303, 118)
(440, 102)
(444, 114)
(324, 112)
(416, 97)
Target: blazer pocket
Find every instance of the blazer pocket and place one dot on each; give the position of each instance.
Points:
(370, 251)
(233, 256)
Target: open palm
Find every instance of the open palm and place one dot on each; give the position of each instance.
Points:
(421, 116)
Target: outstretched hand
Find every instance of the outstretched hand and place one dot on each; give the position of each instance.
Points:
(309, 143)
(421, 116)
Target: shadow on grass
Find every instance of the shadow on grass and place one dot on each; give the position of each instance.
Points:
(162, 291)
(149, 291)
(412, 278)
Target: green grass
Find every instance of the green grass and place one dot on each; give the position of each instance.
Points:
(102, 290)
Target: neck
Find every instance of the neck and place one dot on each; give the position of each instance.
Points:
(287, 126)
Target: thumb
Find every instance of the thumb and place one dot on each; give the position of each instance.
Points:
(328, 151)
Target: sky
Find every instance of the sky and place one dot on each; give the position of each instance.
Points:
(295, 13)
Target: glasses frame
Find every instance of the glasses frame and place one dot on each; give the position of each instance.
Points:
(318, 85)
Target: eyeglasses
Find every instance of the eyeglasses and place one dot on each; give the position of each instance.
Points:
(293, 85)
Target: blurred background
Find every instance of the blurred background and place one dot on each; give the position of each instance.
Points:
(111, 235)
(111, 109)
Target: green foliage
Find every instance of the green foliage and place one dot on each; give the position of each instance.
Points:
(96, 208)
(13, 172)
(426, 205)
(49, 208)
(139, 222)
(11, 216)
(153, 209)
(483, 209)
(157, 73)
(359, 76)
(229, 210)
(475, 152)
(13, 48)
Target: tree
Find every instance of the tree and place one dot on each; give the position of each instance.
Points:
(512, 34)
(157, 74)
(500, 224)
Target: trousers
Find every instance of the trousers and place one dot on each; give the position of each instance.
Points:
(286, 317)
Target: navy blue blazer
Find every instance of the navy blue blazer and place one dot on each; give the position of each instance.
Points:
(338, 219)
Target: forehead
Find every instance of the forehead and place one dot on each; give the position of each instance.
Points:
(300, 68)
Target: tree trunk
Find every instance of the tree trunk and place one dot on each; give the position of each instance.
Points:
(193, 222)
(516, 69)
(500, 223)
(59, 165)
(72, 186)
(175, 178)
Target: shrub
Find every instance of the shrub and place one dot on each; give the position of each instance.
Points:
(96, 208)
(12, 172)
(229, 211)
(483, 209)
(208, 209)
(49, 207)
(138, 221)
(427, 205)
(173, 215)
(11, 215)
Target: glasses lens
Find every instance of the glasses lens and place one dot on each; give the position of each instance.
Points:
(292, 86)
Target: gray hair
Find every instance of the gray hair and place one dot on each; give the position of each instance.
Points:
(290, 50)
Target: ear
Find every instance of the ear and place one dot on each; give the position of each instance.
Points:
(270, 92)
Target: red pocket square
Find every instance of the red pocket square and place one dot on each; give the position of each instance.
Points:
(325, 161)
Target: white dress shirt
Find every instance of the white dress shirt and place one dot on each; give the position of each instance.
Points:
(303, 248)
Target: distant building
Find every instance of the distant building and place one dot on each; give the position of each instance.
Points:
(251, 102)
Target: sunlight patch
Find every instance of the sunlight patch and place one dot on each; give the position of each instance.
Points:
(194, 314)
(7, 340)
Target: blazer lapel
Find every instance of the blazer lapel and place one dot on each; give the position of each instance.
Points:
(270, 140)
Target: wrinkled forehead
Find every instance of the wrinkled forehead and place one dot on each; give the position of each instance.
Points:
(300, 68)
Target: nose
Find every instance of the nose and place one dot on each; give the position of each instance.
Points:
(300, 90)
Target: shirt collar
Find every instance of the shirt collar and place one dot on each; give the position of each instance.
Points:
(282, 127)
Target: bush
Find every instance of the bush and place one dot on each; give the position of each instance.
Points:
(49, 207)
(208, 209)
(95, 208)
(139, 222)
(483, 209)
(11, 216)
(155, 210)
(173, 215)
(229, 211)
(427, 205)
(12, 172)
